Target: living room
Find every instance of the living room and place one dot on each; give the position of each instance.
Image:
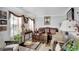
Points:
(39, 28)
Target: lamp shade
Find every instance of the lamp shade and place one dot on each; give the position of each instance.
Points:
(67, 26)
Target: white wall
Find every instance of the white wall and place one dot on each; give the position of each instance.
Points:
(4, 35)
(55, 21)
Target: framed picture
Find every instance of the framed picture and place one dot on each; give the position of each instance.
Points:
(47, 20)
(3, 22)
(3, 28)
(3, 14)
(70, 14)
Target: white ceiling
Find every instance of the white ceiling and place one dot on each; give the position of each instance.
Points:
(46, 11)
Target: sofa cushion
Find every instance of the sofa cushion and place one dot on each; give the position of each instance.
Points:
(22, 48)
(7, 49)
(14, 46)
(58, 37)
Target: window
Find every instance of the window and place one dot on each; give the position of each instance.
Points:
(31, 24)
(15, 27)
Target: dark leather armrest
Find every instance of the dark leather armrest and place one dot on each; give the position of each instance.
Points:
(11, 42)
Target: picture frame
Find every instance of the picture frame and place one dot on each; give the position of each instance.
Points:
(47, 20)
(3, 28)
(3, 22)
(3, 14)
(70, 14)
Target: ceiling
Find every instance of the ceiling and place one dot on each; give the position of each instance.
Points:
(46, 11)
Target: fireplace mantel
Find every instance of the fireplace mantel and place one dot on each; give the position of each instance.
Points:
(49, 26)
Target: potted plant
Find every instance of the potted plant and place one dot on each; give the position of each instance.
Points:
(18, 38)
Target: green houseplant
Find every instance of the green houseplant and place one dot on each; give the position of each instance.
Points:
(18, 38)
(72, 46)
